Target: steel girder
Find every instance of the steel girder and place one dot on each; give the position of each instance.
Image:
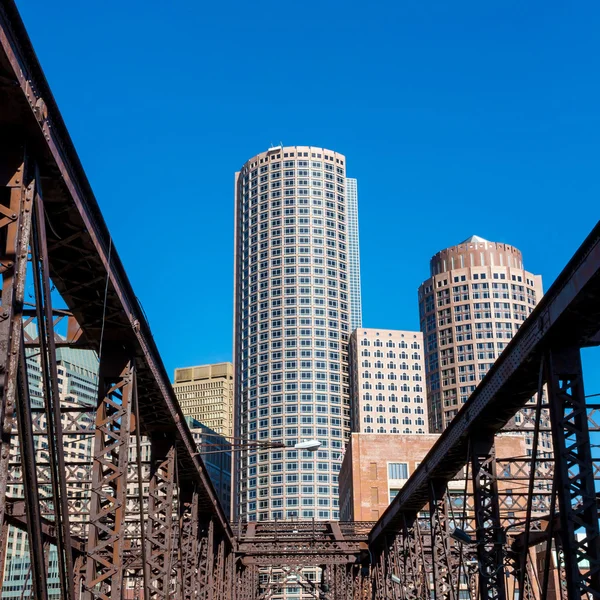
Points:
(160, 530)
(188, 548)
(16, 203)
(579, 531)
(443, 580)
(490, 533)
(106, 540)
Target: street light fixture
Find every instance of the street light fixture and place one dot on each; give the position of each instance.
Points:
(246, 444)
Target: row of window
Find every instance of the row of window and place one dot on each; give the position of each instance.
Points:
(394, 420)
(402, 367)
(392, 365)
(379, 386)
(290, 515)
(380, 408)
(393, 398)
(369, 429)
(390, 344)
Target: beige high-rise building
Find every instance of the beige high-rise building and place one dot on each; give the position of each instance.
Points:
(295, 278)
(205, 393)
(388, 381)
(477, 296)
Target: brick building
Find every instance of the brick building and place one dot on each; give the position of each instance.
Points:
(376, 467)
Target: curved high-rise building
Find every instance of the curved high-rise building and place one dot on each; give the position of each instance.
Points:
(292, 323)
(477, 296)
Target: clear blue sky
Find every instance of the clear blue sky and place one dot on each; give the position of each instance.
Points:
(457, 118)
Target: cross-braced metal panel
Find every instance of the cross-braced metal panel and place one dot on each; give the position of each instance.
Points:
(580, 537)
(106, 539)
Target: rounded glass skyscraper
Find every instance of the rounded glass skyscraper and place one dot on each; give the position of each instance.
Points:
(292, 323)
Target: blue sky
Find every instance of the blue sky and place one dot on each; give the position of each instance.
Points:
(457, 119)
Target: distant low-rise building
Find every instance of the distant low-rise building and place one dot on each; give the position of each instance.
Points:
(205, 393)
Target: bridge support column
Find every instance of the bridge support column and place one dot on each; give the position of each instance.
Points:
(443, 584)
(490, 534)
(415, 584)
(201, 581)
(188, 548)
(17, 188)
(106, 537)
(52, 401)
(161, 516)
(574, 472)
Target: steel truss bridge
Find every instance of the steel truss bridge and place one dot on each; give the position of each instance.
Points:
(125, 522)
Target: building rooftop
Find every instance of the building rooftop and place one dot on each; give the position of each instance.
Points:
(475, 239)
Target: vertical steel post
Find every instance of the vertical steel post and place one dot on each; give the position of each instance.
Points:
(106, 537)
(210, 562)
(443, 585)
(201, 580)
(574, 471)
(78, 575)
(413, 567)
(30, 482)
(140, 484)
(490, 534)
(43, 302)
(16, 201)
(160, 530)
(189, 545)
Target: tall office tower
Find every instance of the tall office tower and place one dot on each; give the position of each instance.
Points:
(292, 322)
(353, 254)
(205, 393)
(387, 374)
(477, 296)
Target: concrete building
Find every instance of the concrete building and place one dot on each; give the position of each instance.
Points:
(205, 393)
(292, 323)
(477, 295)
(388, 381)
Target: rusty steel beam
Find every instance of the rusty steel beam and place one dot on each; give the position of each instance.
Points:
(16, 204)
(579, 529)
(188, 546)
(161, 515)
(489, 531)
(47, 352)
(104, 569)
(30, 487)
(16, 516)
(443, 580)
